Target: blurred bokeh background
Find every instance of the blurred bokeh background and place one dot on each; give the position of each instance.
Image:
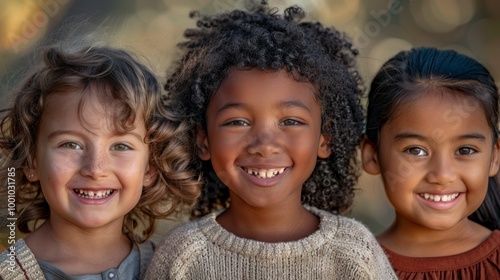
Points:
(151, 28)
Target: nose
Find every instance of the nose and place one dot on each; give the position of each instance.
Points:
(442, 170)
(264, 141)
(94, 164)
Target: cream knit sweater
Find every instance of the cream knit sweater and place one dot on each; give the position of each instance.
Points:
(341, 248)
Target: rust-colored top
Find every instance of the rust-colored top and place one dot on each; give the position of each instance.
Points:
(482, 262)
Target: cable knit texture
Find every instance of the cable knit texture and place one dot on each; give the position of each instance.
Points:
(341, 248)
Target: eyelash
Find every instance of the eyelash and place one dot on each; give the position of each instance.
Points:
(72, 145)
(76, 146)
(295, 122)
(236, 123)
(471, 151)
(286, 122)
(122, 145)
(408, 150)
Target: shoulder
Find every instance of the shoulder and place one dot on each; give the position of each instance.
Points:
(342, 227)
(147, 247)
(180, 247)
(18, 262)
(342, 232)
(495, 238)
(491, 246)
(146, 251)
(184, 235)
(491, 251)
(352, 243)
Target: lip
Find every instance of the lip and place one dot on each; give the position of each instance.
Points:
(94, 201)
(441, 205)
(264, 182)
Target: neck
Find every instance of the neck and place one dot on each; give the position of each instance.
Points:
(79, 251)
(270, 224)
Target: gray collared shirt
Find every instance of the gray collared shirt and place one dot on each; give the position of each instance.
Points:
(130, 268)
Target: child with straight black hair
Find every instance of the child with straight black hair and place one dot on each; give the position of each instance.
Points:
(274, 104)
(432, 134)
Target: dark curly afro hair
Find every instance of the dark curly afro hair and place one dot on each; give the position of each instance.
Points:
(263, 39)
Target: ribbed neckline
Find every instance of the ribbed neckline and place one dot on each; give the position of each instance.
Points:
(226, 240)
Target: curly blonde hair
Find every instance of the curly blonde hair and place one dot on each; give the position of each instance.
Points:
(128, 90)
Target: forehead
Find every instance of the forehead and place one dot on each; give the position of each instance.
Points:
(89, 108)
(446, 100)
(435, 112)
(263, 87)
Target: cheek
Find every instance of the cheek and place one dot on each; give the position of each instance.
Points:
(223, 164)
(477, 184)
(54, 167)
(132, 169)
(302, 142)
(129, 166)
(308, 155)
(225, 149)
(399, 177)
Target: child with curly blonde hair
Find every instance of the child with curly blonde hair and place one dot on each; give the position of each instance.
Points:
(96, 159)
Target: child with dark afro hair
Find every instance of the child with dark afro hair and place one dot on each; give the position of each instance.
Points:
(274, 109)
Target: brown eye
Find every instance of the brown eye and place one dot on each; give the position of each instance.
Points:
(291, 122)
(236, 123)
(466, 151)
(416, 151)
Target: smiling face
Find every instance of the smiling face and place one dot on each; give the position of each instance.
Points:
(435, 156)
(263, 137)
(90, 175)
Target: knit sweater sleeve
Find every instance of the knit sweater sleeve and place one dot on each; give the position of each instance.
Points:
(19, 263)
(358, 248)
(177, 250)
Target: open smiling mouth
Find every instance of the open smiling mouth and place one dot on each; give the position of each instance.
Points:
(93, 194)
(264, 173)
(438, 198)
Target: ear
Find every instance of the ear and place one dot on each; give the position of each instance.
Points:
(495, 159)
(150, 176)
(31, 174)
(324, 150)
(369, 157)
(202, 144)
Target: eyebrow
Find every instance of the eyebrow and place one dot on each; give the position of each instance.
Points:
(409, 135)
(61, 132)
(284, 104)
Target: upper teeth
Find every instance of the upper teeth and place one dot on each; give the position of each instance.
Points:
(261, 173)
(437, 198)
(93, 194)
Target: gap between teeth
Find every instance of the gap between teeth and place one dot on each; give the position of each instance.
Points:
(93, 194)
(437, 198)
(261, 173)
